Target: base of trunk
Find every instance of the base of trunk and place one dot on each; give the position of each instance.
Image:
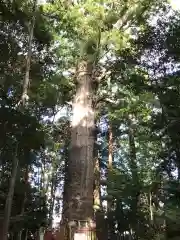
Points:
(78, 230)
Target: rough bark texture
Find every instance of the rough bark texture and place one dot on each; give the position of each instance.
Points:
(80, 168)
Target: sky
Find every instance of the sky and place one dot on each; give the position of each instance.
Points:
(175, 4)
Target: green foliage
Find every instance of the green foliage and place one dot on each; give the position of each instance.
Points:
(139, 97)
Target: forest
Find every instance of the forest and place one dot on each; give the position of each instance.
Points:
(89, 120)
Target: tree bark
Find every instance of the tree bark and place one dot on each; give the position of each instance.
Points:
(134, 171)
(80, 169)
(24, 96)
(26, 234)
(97, 187)
(101, 228)
(53, 190)
(110, 162)
(9, 199)
(109, 172)
(132, 151)
(26, 178)
(151, 208)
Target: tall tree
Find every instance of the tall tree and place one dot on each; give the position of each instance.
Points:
(9, 199)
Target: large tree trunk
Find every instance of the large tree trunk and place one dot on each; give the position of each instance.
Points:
(80, 169)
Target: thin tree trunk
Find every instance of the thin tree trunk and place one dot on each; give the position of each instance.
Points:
(66, 181)
(53, 190)
(26, 234)
(43, 183)
(81, 160)
(132, 151)
(97, 187)
(41, 233)
(97, 179)
(9, 199)
(130, 234)
(134, 171)
(109, 172)
(63, 232)
(110, 163)
(101, 232)
(26, 177)
(24, 96)
(151, 208)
